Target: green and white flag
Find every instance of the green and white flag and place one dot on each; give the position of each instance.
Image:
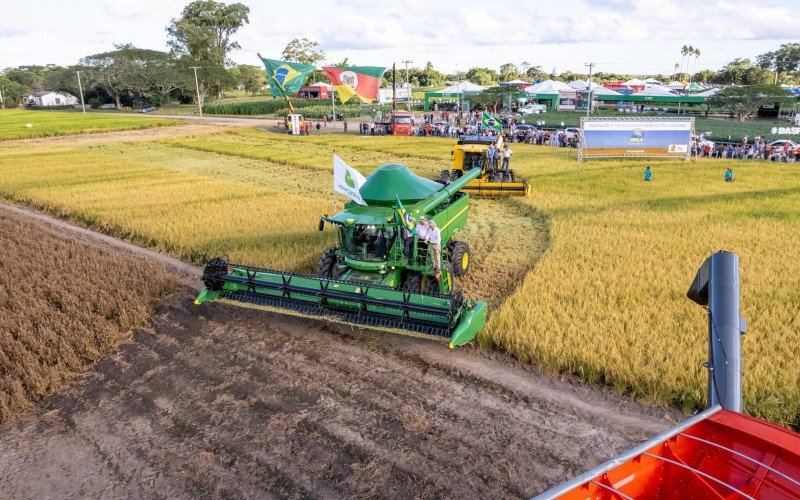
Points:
(347, 180)
(284, 77)
(491, 122)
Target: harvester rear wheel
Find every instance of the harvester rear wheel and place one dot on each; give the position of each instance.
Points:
(326, 267)
(460, 256)
(444, 177)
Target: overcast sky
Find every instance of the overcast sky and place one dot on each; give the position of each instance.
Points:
(627, 36)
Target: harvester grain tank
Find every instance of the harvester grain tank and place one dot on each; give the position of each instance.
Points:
(470, 152)
(372, 277)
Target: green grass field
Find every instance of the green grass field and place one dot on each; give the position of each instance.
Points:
(586, 277)
(24, 124)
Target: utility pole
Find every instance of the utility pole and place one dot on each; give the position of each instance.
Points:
(333, 102)
(408, 101)
(589, 89)
(197, 87)
(2, 99)
(80, 90)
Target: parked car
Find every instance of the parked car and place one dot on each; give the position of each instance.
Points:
(531, 109)
(777, 150)
(571, 132)
(781, 143)
(147, 109)
(110, 105)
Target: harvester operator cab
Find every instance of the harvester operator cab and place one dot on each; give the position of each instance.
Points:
(366, 243)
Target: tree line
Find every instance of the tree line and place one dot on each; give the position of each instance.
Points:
(201, 39)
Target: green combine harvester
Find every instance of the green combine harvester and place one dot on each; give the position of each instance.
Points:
(371, 278)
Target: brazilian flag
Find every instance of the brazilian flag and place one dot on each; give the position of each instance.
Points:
(491, 122)
(284, 77)
(403, 216)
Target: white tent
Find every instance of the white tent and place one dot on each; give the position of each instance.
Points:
(604, 92)
(549, 87)
(514, 82)
(674, 84)
(322, 84)
(578, 84)
(654, 90)
(652, 80)
(707, 93)
(635, 82)
(462, 87)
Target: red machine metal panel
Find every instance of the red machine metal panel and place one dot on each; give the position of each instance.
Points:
(724, 455)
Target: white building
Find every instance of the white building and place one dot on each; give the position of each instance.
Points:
(49, 99)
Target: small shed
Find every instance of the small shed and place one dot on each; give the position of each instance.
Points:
(49, 99)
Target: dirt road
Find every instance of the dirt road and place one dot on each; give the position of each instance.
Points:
(222, 401)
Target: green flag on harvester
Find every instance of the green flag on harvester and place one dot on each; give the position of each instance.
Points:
(284, 77)
(491, 122)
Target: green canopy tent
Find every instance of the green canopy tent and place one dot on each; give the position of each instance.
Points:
(455, 92)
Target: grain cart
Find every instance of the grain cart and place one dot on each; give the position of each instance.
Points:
(470, 152)
(371, 277)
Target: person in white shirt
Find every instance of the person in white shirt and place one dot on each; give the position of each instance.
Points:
(435, 245)
(506, 157)
(422, 235)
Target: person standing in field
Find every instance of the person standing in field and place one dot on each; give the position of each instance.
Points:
(422, 234)
(324, 120)
(344, 124)
(318, 127)
(648, 174)
(729, 175)
(507, 157)
(435, 246)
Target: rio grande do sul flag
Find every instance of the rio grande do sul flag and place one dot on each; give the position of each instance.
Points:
(347, 180)
(356, 81)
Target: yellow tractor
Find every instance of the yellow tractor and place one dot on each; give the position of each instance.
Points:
(494, 180)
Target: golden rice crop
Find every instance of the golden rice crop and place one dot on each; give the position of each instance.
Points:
(605, 301)
(64, 305)
(25, 124)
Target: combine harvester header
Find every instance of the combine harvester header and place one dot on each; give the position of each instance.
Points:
(719, 453)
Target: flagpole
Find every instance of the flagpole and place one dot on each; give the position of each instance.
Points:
(333, 102)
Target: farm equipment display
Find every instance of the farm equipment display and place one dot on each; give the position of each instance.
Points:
(494, 180)
(295, 125)
(379, 273)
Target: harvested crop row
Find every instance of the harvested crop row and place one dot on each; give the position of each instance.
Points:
(64, 305)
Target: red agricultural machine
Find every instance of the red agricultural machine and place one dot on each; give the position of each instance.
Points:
(719, 453)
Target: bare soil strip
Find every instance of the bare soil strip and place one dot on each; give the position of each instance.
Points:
(222, 401)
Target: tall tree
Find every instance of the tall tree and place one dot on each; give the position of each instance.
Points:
(786, 58)
(744, 101)
(509, 71)
(249, 78)
(204, 30)
(482, 76)
(303, 51)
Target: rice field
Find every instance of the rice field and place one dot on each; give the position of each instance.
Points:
(25, 124)
(586, 277)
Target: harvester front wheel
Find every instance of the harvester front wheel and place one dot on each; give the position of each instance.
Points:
(444, 177)
(460, 256)
(327, 265)
(412, 283)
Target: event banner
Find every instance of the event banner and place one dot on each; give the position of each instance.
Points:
(636, 137)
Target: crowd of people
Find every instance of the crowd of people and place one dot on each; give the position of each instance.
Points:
(759, 149)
